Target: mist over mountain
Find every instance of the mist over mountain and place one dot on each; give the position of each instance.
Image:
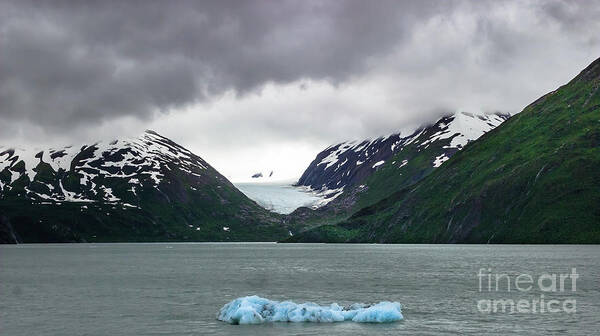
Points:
(533, 179)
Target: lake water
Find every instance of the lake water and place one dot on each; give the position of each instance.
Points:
(177, 289)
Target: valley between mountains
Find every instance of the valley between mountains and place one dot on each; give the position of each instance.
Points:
(533, 177)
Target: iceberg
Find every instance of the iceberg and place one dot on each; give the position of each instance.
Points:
(257, 310)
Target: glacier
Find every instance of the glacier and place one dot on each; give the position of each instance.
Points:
(257, 310)
(280, 197)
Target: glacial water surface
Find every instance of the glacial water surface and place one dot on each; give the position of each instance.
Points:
(178, 289)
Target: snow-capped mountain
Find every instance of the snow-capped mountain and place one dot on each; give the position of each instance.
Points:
(110, 186)
(347, 164)
(532, 180)
(140, 163)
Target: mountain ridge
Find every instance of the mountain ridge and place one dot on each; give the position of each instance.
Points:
(533, 179)
(359, 171)
(365, 155)
(141, 189)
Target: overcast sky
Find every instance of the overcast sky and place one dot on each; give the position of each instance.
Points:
(265, 85)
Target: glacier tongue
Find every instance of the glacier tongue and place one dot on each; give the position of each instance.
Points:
(257, 310)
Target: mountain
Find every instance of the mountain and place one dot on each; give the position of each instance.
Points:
(144, 189)
(533, 179)
(348, 163)
(355, 174)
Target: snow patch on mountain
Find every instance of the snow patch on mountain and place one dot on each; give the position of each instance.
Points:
(333, 157)
(347, 163)
(146, 158)
(440, 159)
(465, 127)
(378, 163)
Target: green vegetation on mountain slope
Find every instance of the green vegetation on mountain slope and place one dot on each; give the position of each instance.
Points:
(413, 157)
(404, 169)
(534, 179)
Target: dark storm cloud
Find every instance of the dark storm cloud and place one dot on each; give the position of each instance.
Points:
(69, 63)
(66, 62)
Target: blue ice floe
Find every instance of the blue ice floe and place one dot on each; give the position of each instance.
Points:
(256, 310)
